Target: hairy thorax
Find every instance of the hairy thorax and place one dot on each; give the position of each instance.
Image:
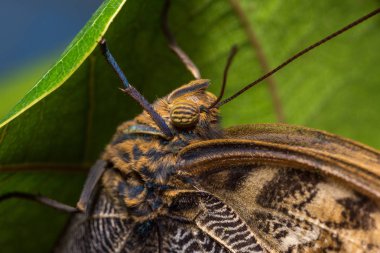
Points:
(142, 177)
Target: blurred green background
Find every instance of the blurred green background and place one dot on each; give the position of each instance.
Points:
(47, 148)
(34, 35)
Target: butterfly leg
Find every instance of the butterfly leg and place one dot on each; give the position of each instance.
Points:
(185, 59)
(39, 199)
(93, 177)
(89, 187)
(159, 237)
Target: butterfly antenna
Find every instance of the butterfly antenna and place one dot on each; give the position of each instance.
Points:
(131, 91)
(185, 59)
(231, 56)
(304, 51)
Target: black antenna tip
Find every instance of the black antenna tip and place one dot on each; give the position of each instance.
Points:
(103, 45)
(231, 56)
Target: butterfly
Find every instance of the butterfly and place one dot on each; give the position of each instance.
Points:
(254, 188)
(172, 180)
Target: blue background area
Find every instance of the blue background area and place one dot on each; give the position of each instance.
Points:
(35, 29)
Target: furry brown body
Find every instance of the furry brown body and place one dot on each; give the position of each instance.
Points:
(259, 188)
(146, 176)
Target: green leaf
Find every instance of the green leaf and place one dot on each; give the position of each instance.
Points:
(61, 126)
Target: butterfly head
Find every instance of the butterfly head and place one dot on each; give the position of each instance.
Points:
(184, 111)
(187, 106)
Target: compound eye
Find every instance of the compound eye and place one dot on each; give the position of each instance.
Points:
(184, 114)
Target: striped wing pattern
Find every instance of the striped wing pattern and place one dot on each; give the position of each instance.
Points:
(180, 238)
(103, 232)
(106, 231)
(223, 224)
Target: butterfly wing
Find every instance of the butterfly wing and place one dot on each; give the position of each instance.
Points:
(365, 159)
(300, 197)
(106, 230)
(305, 148)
